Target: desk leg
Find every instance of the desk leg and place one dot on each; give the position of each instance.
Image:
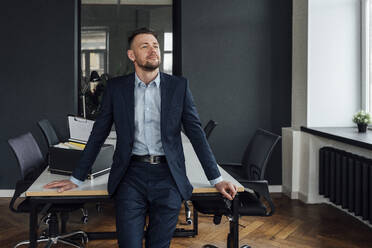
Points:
(33, 225)
(195, 224)
(234, 225)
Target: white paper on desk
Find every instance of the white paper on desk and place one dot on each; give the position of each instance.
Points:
(61, 145)
(80, 128)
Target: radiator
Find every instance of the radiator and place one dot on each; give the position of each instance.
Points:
(346, 179)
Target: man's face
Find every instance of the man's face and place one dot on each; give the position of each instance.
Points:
(145, 52)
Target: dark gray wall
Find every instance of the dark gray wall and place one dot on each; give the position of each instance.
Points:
(38, 73)
(237, 56)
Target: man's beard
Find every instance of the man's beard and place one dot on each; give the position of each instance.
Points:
(147, 66)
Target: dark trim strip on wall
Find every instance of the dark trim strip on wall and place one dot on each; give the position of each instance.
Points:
(77, 57)
(177, 38)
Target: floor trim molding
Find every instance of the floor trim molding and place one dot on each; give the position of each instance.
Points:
(275, 188)
(6, 192)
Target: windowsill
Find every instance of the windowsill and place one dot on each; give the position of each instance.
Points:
(348, 135)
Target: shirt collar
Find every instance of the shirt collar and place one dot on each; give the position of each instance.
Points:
(138, 82)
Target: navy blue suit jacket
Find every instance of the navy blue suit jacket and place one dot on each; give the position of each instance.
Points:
(177, 108)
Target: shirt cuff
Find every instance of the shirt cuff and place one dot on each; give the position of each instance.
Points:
(215, 181)
(76, 181)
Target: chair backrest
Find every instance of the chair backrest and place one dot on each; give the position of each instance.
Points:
(48, 132)
(28, 153)
(257, 154)
(209, 128)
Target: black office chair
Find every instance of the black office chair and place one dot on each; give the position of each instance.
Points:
(250, 173)
(209, 128)
(48, 132)
(52, 139)
(208, 131)
(32, 164)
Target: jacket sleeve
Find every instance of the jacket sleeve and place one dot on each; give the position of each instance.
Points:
(100, 131)
(195, 133)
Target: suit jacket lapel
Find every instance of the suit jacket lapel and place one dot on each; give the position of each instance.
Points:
(128, 93)
(166, 91)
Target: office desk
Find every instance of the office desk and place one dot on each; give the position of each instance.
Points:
(96, 190)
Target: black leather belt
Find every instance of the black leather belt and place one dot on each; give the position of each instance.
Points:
(149, 159)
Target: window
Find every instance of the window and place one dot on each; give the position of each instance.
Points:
(366, 56)
(94, 51)
(168, 48)
(368, 52)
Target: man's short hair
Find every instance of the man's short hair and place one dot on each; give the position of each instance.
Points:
(140, 31)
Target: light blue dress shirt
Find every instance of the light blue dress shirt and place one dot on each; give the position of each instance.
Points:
(147, 134)
(147, 102)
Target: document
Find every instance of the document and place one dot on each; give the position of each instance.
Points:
(70, 145)
(80, 129)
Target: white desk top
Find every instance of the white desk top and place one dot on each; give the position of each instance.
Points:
(98, 186)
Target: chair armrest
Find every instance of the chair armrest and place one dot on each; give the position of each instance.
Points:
(21, 187)
(234, 169)
(234, 165)
(261, 188)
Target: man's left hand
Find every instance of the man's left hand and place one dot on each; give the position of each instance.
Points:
(227, 189)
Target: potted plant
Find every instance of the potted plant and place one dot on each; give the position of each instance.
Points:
(362, 119)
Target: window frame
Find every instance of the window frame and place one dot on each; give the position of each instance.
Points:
(365, 54)
(87, 52)
(167, 51)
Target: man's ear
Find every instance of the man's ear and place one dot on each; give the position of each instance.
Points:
(131, 56)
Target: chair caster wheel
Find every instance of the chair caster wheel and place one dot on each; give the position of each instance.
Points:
(217, 219)
(84, 219)
(209, 246)
(245, 246)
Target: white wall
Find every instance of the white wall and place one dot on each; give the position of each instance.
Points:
(334, 62)
(299, 63)
(326, 77)
(291, 159)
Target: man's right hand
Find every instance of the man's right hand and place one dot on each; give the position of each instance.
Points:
(61, 185)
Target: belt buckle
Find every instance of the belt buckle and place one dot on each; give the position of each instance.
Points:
(152, 159)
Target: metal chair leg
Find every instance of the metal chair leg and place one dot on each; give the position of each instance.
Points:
(49, 244)
(71, 234)
(187, 213)
(70, 242)
(26, 242)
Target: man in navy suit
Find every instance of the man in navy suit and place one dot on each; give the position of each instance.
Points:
(148, 174)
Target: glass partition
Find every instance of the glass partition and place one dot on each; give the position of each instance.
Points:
(105, 27)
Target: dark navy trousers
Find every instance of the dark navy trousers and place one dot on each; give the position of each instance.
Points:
(147, 189)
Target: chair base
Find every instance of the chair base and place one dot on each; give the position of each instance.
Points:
(61, 238)
(212, 246)
(228, 244)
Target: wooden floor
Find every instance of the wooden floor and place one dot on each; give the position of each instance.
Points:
(294, 225)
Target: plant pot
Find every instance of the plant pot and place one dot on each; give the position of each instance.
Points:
(362, 127)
